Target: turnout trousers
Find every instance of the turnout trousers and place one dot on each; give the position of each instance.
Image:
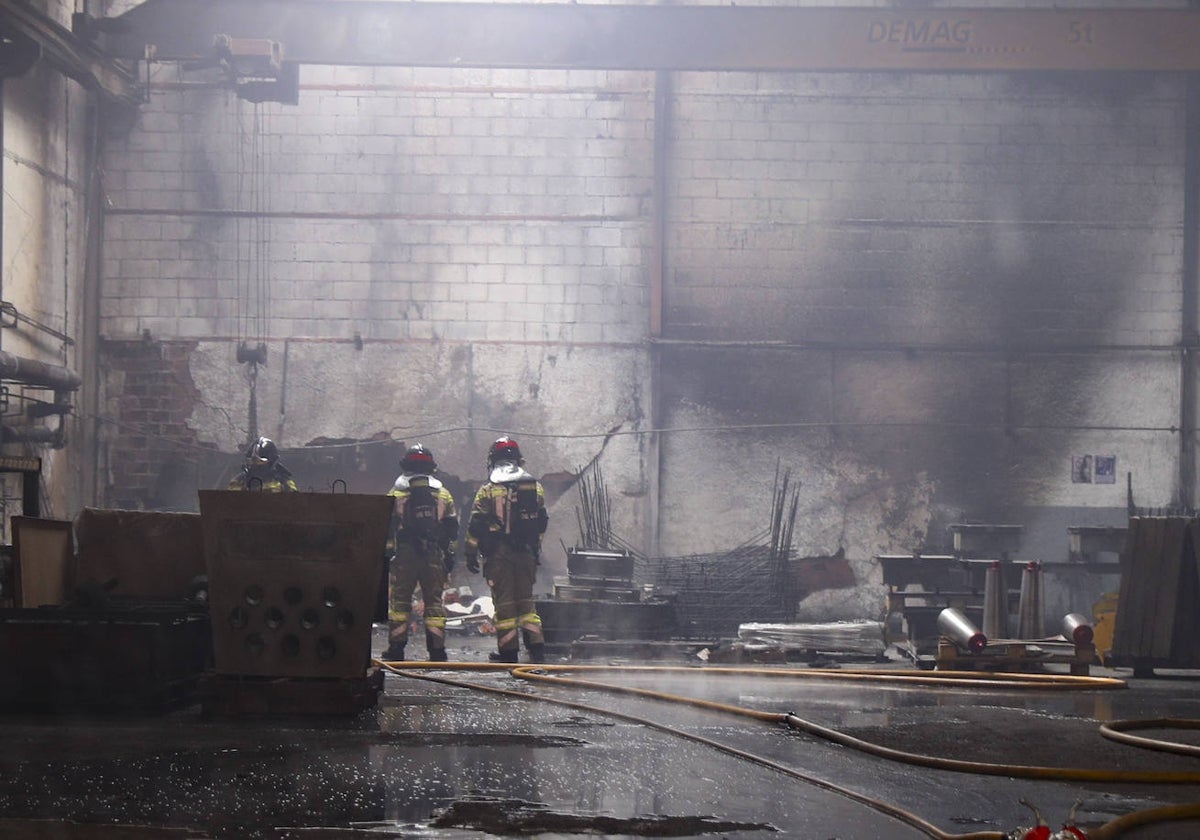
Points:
(510, 573)
(411, 568)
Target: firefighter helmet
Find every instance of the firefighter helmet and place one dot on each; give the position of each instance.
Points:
(504, 449)
(418, 459)
(262, 453)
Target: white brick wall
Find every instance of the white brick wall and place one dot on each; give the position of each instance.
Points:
(510, 211)
(472, 184)
(898, 189)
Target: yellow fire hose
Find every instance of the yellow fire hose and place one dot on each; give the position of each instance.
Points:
(546, 674)
(1115, 731)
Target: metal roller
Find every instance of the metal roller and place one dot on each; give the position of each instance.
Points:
(958, 628)
(1077, 629)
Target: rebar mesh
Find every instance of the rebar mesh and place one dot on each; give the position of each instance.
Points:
(713, 593)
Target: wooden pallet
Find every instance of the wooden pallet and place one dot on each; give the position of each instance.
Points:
(234, 696)
(1017, 656)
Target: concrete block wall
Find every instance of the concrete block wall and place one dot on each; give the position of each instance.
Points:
(928, 209)
(922, 293)
(402, 205)
(46, 174)
(452, 255)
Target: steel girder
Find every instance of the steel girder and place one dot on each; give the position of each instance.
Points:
(70, 55)
(626, 37)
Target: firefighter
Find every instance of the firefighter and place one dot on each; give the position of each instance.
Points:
(508, 519)
(262, 471)
(424, 528)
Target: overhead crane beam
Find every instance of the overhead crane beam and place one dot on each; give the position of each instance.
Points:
(70, 55)
(622, 37)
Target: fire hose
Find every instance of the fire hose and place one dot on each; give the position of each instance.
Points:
(546, 674)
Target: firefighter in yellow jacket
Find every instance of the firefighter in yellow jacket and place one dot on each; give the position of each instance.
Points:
(508, 519)
(424, 528)
(262, 471)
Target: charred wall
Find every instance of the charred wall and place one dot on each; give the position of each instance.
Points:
(923, 293)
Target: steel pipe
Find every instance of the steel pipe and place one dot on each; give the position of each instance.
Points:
(30, 434)
(33, 372)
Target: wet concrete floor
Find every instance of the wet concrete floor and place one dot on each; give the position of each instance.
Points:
(437, 760)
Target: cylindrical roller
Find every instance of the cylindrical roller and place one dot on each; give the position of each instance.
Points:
(1077, 629)
(958, 628)
(995, 611)
(1031, 622)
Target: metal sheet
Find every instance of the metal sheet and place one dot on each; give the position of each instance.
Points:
(151, 554)
(615, 37)
(599, 565)
(293, 580)
(564, 621)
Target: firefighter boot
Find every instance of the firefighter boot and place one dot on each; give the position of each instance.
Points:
(534, 647)
(396, 643)
(509, 655)
(436, 647)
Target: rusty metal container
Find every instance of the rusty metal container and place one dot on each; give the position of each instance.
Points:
(293, 580)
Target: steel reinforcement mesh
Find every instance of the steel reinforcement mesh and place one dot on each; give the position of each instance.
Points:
(715, 593)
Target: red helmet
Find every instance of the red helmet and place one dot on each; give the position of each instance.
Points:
(418, 459)
(504, 449)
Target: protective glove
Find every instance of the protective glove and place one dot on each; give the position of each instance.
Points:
(472, 558)
(448, 559)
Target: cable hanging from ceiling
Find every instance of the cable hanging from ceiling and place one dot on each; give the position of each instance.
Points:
(253, 249)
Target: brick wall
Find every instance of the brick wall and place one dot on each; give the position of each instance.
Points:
(153, 454)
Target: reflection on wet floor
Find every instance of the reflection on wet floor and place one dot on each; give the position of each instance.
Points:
(435, 760)
(844, 704)
(398, 774)
(515, 816)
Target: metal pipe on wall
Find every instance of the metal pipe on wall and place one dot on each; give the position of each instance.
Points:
(30, 434)
(663, 91)
(91, 469)
(1189, 338)
(32, 372)
(1, 187)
